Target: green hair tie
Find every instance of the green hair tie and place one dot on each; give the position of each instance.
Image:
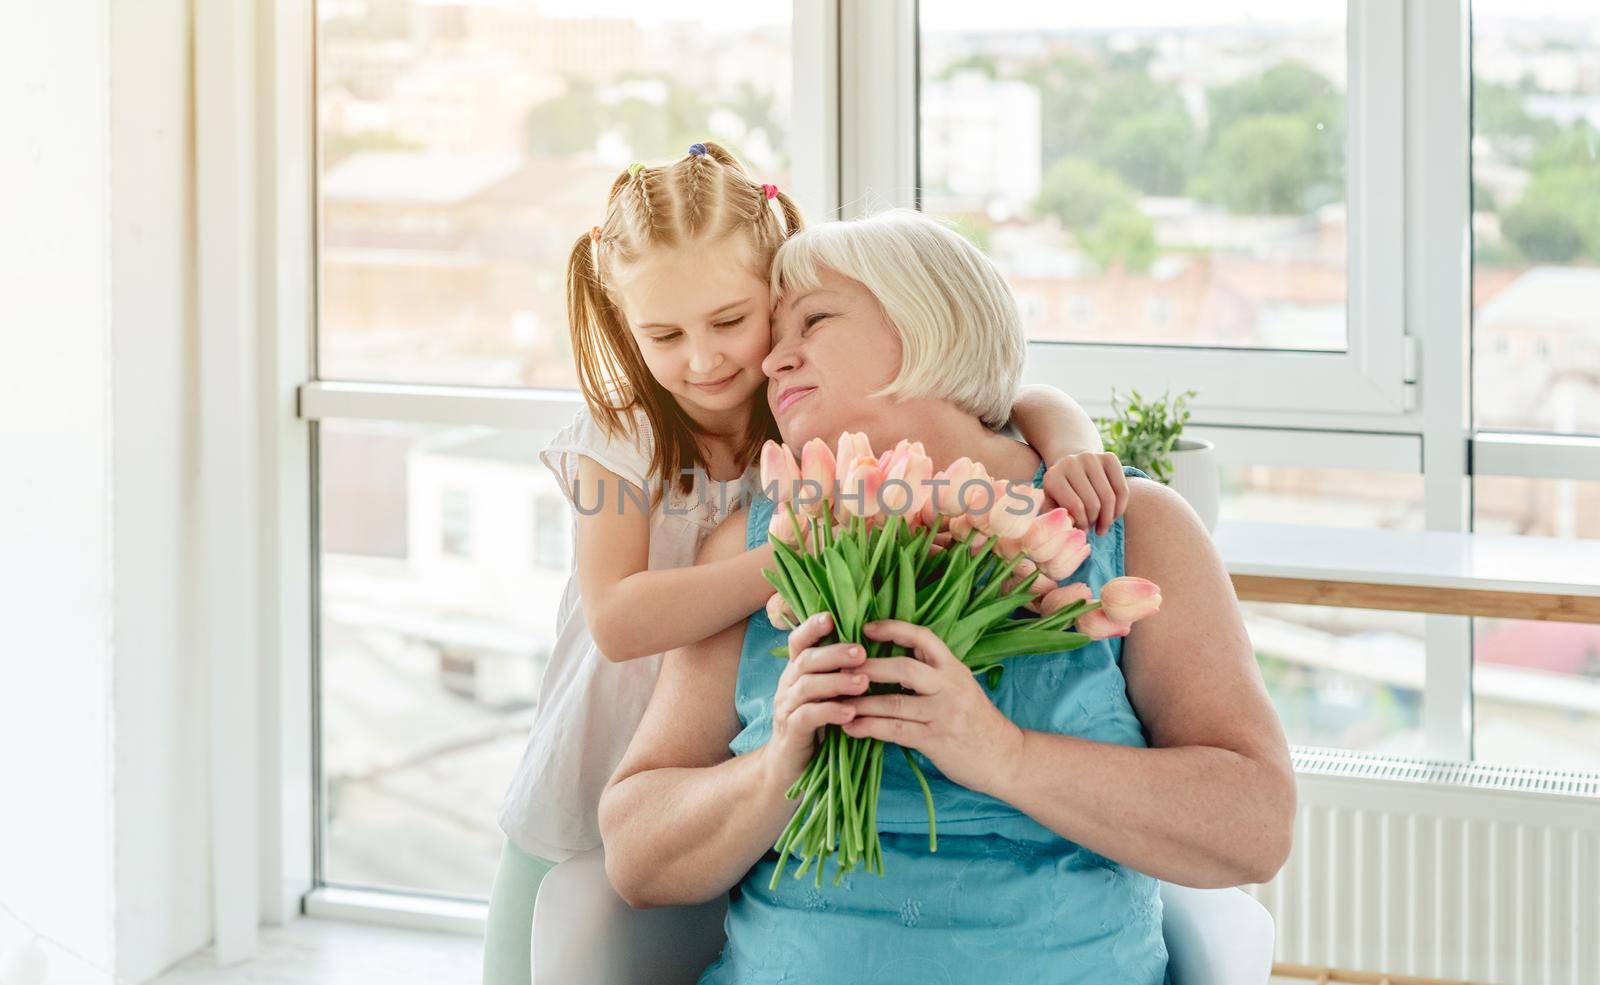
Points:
(634, 169)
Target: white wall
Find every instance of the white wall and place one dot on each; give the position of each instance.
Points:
(162, 861)
(103, 832)
(55, 500)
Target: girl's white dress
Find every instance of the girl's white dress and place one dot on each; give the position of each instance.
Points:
(589, 707)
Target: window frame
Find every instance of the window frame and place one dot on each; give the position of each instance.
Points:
(855, 64)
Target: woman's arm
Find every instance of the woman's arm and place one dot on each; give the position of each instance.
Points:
(635, 611)
(1211, 803)
(682, 820)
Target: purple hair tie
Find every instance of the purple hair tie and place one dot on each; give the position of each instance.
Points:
(697, 149)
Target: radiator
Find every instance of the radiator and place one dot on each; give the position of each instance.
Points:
(1410, 867)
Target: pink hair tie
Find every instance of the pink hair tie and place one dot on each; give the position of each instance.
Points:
(771, 191)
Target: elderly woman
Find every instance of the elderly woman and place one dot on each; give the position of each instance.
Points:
(1062, 796)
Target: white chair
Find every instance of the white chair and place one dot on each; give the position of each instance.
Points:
(584, 934)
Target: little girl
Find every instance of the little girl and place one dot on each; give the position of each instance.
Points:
(668, 305)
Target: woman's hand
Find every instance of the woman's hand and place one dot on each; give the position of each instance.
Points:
(949, 718)
(805, 699)
(1091, 486)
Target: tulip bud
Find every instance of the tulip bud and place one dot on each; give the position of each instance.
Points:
(1015, 507)
(860, 489)
(779, 614)
(782, 527)
(1060, 598)
(1096, 625)
(851, 447)
(1074, 551)
(818, 472)
(779, 473)
(1128, 599)
(1047, 534)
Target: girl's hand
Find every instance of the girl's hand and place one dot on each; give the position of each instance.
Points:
(949, 718)
(1091, 486)
(804, 701)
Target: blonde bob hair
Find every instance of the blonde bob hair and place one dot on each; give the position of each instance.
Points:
(961, 336)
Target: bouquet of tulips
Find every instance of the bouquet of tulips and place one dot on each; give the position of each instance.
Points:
(866, 537)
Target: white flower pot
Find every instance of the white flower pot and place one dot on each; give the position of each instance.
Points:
(1194, 477)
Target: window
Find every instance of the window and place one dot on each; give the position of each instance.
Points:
(1536, 336)
(1347, 678)
(430, 663)
(552, 530)
(455, 522)
(1364, 498)
(1186, 173)
(1536, 215)
(464, 146)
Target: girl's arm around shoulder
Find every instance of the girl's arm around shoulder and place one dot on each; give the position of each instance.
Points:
(634, 610)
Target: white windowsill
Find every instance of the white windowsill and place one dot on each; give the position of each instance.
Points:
(1423, 559)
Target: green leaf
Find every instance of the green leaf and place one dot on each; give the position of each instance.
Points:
(905, 608)
(844, 595)
(1011, 643)
(811, 601)
(992, 677)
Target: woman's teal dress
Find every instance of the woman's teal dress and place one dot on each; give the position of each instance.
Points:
(1005, 901)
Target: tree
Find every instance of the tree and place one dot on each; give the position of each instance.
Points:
(1557, 219)
(1101, 211)
(1123, 234)
(1267, 164)
(1151, 151)
(1078, 192)
(1287, 89)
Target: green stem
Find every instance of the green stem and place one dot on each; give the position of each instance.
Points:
(927, 796)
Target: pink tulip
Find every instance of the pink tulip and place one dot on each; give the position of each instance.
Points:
(1074, 551)
(817, 465)
(1060, 598)
(951, 478)
(782, 527)
(851, 447)
(1128, 599)
(1015, 507)
(959, 526)
(925, 516)
(1047, 535)
(979, 538)
(909, 466)
(1008, 548)
(1096, 625)
(779, 613)
(860, 489)
(778, 469)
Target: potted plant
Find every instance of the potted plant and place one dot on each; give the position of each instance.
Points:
(1149, 436)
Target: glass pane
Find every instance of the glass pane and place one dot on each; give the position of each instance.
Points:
(440, 565)
(1345, 678)
(1535, 507)
(1146, 172)
(1536, 685)
(1536, 214)
(1536, 693)
(465, 146)
(1322, 497)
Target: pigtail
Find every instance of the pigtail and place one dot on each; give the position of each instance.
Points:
(793, 221)
(594, 323)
